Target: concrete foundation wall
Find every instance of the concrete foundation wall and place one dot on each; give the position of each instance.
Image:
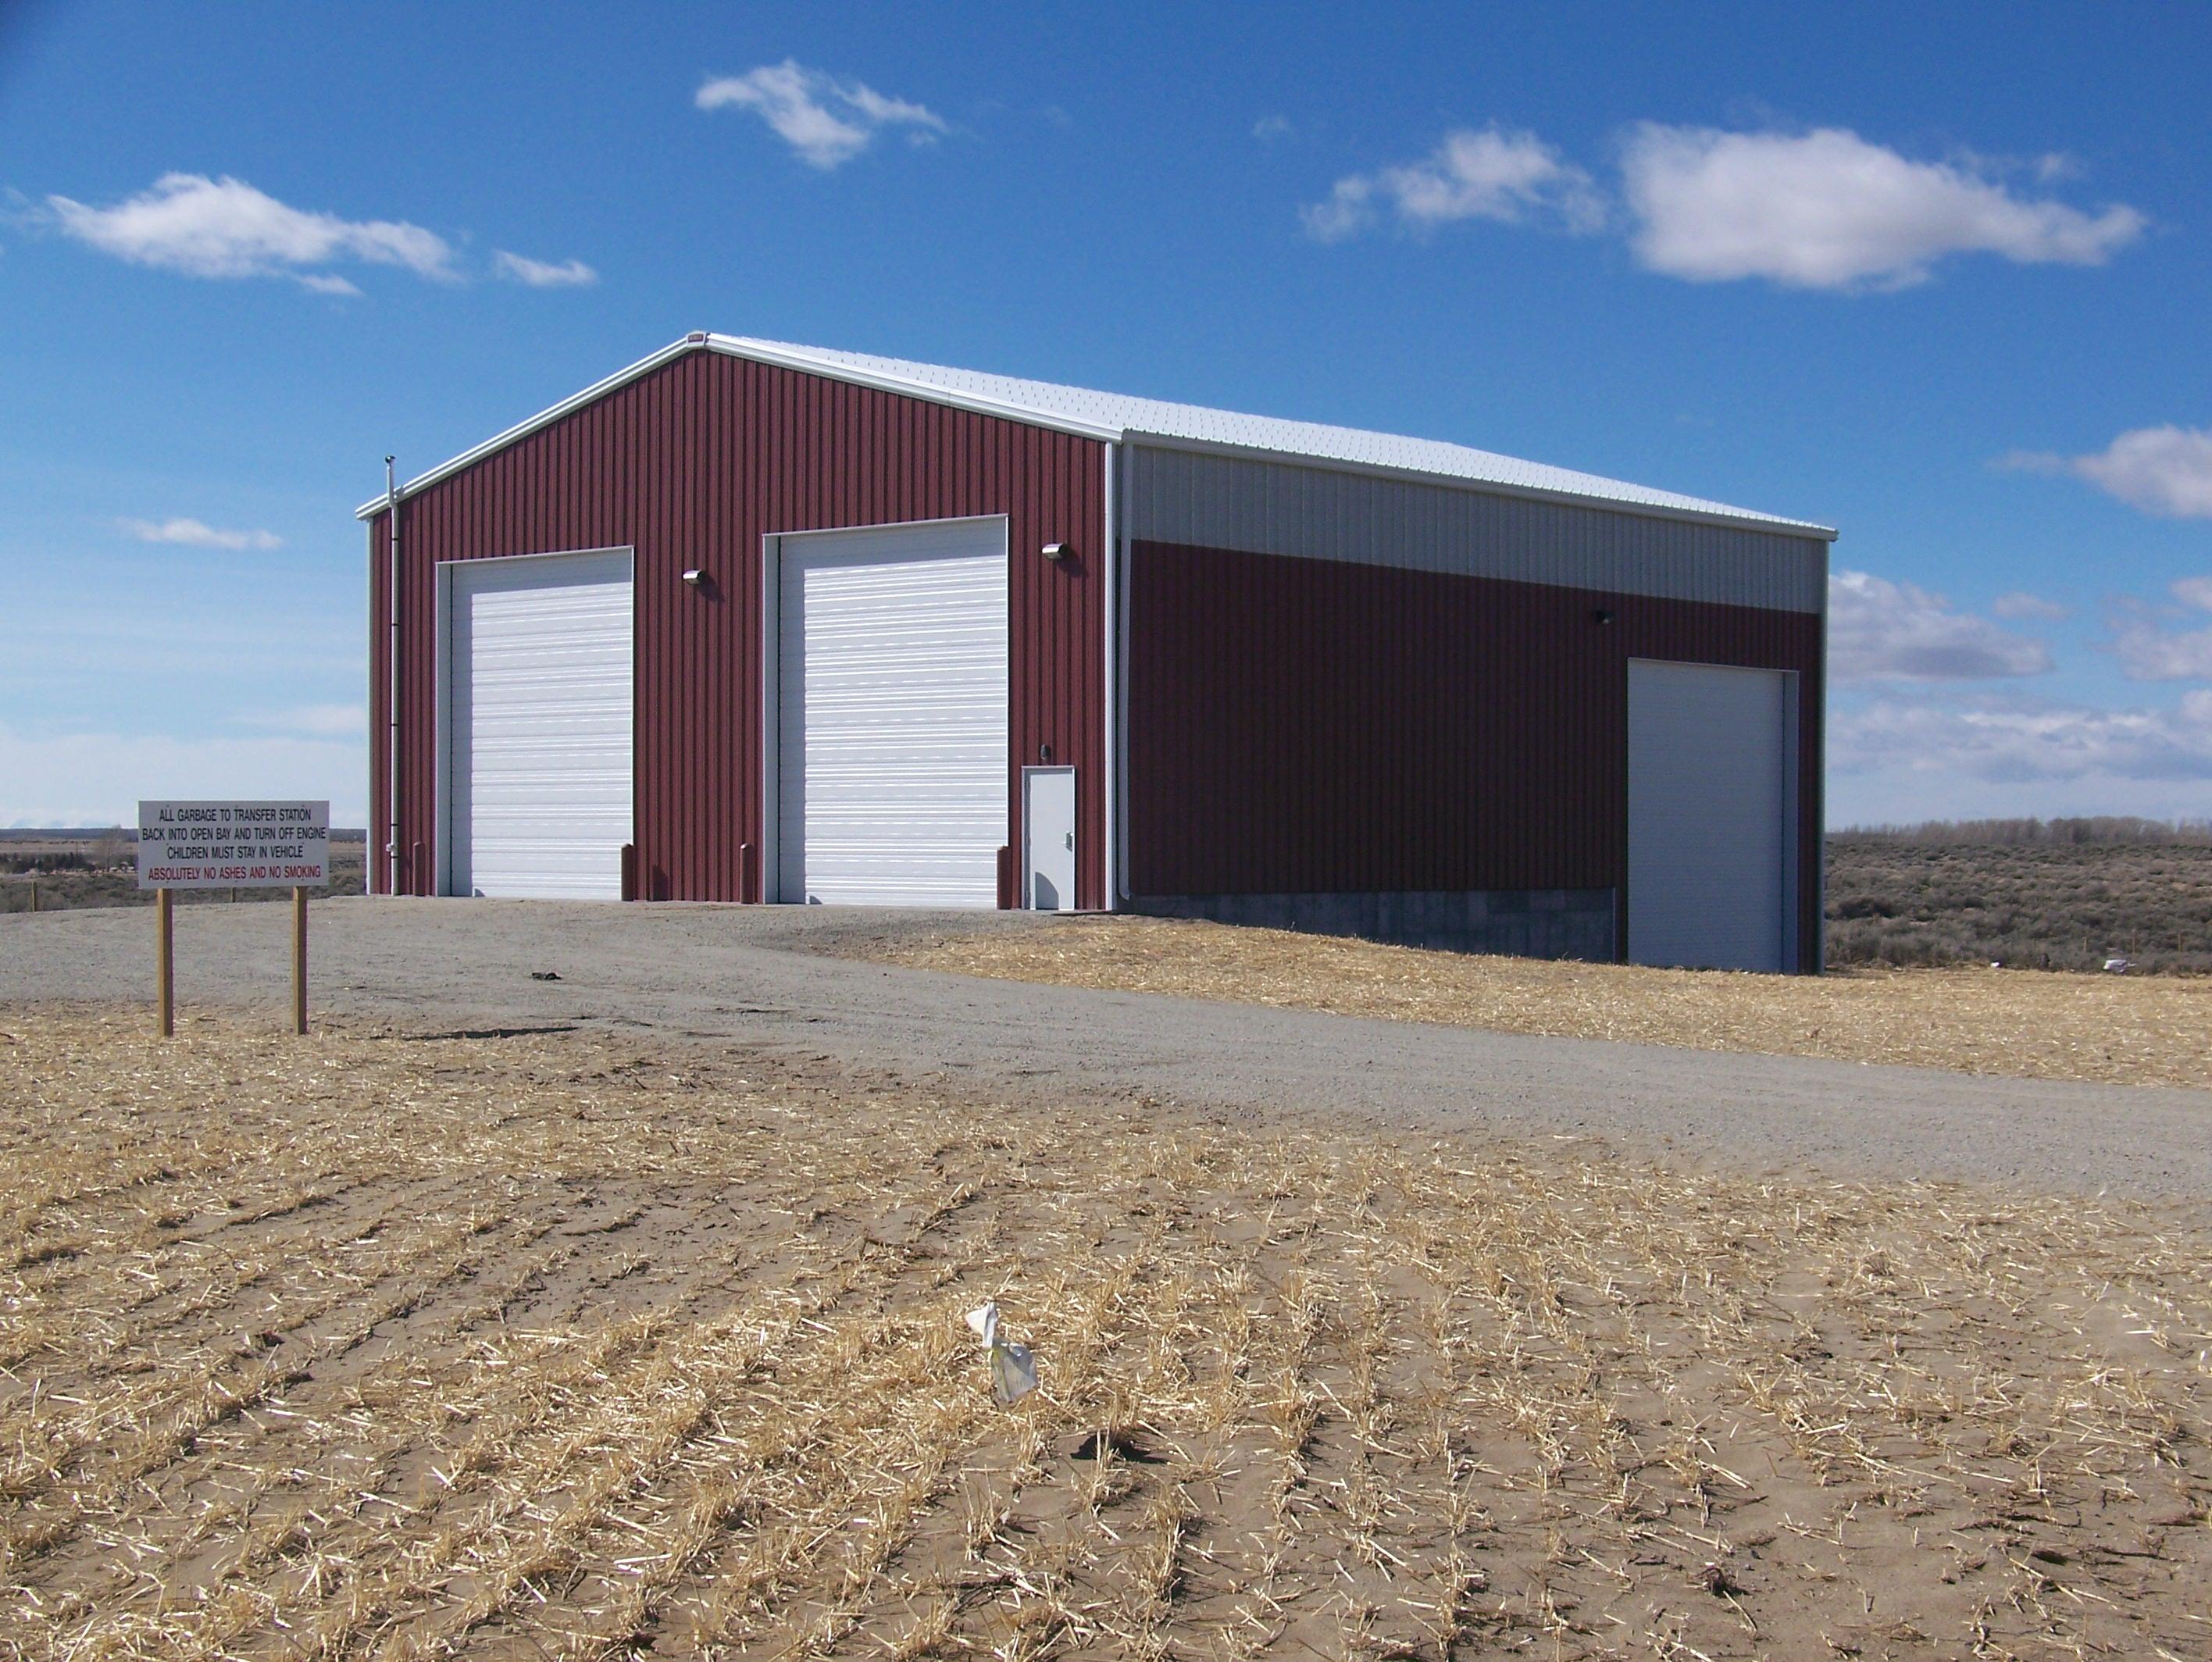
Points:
(1521, 922)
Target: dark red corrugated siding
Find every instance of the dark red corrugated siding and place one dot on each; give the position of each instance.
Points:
(1307, 726)
(691, 465)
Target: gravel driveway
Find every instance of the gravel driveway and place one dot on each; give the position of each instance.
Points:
(759, 976)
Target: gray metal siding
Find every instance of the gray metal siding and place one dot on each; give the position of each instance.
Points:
(1324, 513)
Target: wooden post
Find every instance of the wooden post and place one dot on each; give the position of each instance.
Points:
(164, 962)
(299, 960)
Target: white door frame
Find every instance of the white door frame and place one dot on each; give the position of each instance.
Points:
(441, 789)
(771, 612)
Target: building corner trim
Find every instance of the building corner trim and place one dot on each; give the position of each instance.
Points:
(1110, 716)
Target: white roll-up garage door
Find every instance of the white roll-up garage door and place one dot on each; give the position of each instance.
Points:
(539, 730)
(1710, 826)
(891, 715)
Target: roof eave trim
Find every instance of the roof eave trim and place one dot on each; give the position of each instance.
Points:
(929, 391)
(568, 405)
(1745, 521)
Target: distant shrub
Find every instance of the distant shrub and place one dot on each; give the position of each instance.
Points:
(2095, 831)
(1862, 905)
(19, 864)
(2030, 894)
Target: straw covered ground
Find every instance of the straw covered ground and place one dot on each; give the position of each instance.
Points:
(2117, 1029)
(558, 1344)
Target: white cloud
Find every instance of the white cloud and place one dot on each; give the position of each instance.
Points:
(1348, 211)
(224, 227)
(542, 274)
(1827, 209)
(1820, 209)
(2149, 650)
(825, 120)
(2019, 607)
(192, 534)
(1495, 175)
(1879, 630)
(2007, 742)
(2165, 470)
(97, 778)
(1269, 127)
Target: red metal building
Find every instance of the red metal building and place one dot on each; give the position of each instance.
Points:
(751, 621)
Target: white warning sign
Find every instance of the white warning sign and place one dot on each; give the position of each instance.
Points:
(233, 844)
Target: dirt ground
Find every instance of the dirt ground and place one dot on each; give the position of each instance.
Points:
(562, 1343)
(799, 980)
(2115, 1030)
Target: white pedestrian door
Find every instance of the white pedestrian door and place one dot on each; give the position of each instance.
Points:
(1709, 825)
(1048, 831)
(539, 728)
(891, 715)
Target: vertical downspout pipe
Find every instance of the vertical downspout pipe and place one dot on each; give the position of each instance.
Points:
(1119, 647)
(392, 693)
(1819, 803)
(1110, 715)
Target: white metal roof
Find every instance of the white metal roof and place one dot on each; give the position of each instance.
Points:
(1120, 418)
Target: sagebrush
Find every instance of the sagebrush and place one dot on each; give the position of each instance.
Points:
(2050, 902)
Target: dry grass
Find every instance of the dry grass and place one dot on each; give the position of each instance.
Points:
(548, 1345)
(2109, 1028)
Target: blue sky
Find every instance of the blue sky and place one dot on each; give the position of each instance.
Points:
(1938, 277)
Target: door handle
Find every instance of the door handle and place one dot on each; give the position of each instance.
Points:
(1071, 842)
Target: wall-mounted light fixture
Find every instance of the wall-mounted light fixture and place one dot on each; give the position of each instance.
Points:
(1600, 616)
(694, 577)
(1054, 550)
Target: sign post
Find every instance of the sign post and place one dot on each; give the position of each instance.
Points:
(164, 962)
(233, 845)
(299, 960)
